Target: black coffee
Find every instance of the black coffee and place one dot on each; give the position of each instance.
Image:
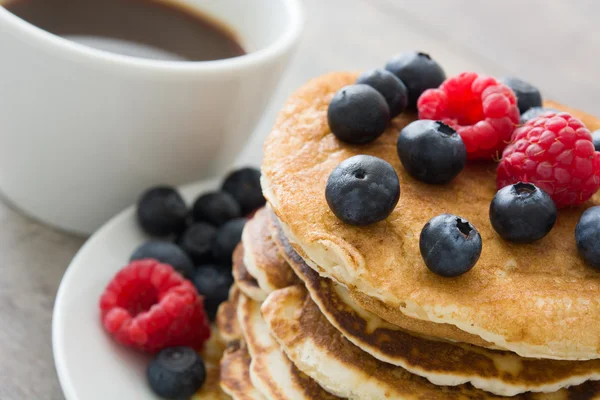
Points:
(143, 28)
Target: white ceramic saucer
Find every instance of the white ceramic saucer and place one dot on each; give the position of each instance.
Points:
(90, 365)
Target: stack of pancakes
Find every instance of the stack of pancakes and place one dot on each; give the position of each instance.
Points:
(322, 310)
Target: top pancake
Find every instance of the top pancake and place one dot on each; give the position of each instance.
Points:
(539, 300)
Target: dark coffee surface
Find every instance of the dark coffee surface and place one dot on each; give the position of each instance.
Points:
(169, 27)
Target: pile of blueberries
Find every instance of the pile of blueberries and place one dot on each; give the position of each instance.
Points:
(199, 242)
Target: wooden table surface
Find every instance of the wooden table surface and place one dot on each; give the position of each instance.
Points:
(547, 42)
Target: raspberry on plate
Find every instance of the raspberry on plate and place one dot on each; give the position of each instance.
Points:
(556, 153)
(482, 110)
(149, 306)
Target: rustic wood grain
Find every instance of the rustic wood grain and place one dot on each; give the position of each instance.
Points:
(548, 42)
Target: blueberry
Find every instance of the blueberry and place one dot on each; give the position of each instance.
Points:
(522, 213)
(418, 72)
(431, 151)
(528, 96)
(244, 185)
(362, 190)
(165, 252)
(587, 236)
(197, 241)
(176, 373)
(450, 245)
(213, 282)
(596, 139)
(228, 237)
(161, 211)
(391, 88)
(216, 208)
(535, 112)
(358, 114)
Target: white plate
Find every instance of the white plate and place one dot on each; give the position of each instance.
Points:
(90, 365)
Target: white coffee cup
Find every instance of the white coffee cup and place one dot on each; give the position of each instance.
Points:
(84, 131)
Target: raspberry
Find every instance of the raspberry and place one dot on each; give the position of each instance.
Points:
(556, 153)
(482, 110)
(150, 306)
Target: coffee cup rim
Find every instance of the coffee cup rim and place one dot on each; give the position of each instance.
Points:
(279, 47)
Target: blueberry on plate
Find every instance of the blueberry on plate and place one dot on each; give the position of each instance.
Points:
(418, 71)
(450, 245)
(358, 114)
(596, 139)
(176, 373)
(244, 185)
(216, 208)
(522, 213)
(161, 211)
(391, 88)
(197, 241)
(362, 190)
(213, 282)
(587, 236)
(167, 253)
(535, 112)
(431, 151)
(528, 96)
(228, 237)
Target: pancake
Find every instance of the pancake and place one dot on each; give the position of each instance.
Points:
(442, 363)
(539, 300)
(415, 326)
(227, 323)
(244, 281)
(261, 255)
(235, 376)
(321, 352)
(271, 371)
(212, 353)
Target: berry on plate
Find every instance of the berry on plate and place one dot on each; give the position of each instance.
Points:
(431, 151)
(450, 245)
(418, 71)
(535, 112)
(362, 190)
(149, 306)
(244, 185)
(213, 282)
(391, 88)
(176, 373)
(358, 114)
(197, 241)
(528, 96)
(555, 152)
(161, 211)
(482, 110)
(216, 208)
(587, 236)
(522, 213)
(167, 253)
(228, 237)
